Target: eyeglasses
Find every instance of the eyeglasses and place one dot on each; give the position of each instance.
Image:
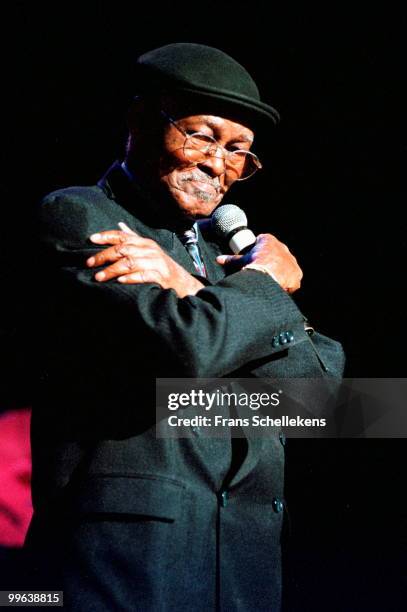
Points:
(198, 147)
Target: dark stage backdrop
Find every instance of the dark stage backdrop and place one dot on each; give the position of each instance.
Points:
(333, 190)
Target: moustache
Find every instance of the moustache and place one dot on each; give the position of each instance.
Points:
(200, 177)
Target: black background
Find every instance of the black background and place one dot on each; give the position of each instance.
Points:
(333, 190)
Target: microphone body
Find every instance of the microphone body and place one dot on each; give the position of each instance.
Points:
(230, 222)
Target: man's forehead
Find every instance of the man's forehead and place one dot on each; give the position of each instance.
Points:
(216, 122)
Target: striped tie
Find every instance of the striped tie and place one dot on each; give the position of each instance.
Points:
(190, 240)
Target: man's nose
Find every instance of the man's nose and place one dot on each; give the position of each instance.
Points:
(214, 164)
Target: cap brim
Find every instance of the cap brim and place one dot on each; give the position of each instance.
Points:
(254, 112)
(247, 111)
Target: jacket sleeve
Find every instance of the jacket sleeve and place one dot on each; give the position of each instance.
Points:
(220, 329)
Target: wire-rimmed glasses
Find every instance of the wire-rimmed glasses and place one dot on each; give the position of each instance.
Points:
(198, 147)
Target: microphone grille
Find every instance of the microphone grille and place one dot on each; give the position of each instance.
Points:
(226, 218)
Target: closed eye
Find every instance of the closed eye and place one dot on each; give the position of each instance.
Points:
(237, 147)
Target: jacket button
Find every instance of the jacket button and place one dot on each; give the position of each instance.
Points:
(224, 499)
(290, 336)
(275, 341)
(277, 504)
(283, 338)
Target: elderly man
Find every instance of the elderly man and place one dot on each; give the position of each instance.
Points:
(142, 289)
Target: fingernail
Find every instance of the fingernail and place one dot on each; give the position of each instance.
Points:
(100, 276)
(122, 279)
(90, 261)
(125, 228)
(221, 259)
(95, 237)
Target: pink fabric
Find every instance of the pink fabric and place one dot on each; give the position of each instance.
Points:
(15, 476)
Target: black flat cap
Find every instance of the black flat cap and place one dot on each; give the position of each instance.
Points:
(209, 81)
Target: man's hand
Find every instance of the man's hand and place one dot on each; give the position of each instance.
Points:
(273, 257)
(140, 260)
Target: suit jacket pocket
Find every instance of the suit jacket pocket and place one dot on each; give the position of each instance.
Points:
(141, 495)
(126, 543)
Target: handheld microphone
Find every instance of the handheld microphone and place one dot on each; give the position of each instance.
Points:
(230, 222)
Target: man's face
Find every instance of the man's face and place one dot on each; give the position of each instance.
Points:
(198, 188)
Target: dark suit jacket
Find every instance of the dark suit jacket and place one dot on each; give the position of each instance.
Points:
(130, 521)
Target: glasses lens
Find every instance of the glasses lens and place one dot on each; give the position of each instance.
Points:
(197, 146)
(243, 163)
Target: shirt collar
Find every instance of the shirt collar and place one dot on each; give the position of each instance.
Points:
(128, 172)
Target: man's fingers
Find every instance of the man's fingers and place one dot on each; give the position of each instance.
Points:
(108, 237)
(116, 237)
(233, 262)
(125, 265)
(125, 228)
(227, 259)
(117, 252)
(143, 276)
